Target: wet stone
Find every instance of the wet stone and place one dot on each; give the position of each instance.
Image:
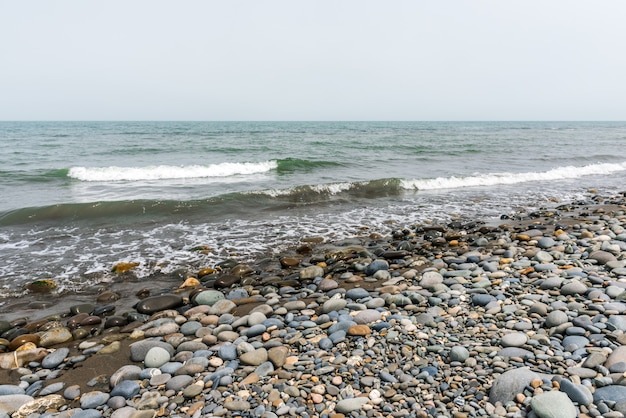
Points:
(154, 304)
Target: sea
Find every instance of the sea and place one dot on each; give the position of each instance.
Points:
(78, 197)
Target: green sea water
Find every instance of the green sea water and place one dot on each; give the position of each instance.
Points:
(76, 197)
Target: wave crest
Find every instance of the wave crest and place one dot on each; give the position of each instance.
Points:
(494, 179)
(164, 172)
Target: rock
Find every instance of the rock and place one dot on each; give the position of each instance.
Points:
(278, 355)
(227, 280)
(237, 405)
(40, 405)
(254, 358)
(55, 336)
(127, 372)
(357, 293)
(375, 266)
(346, 406)
(334, 304)
(208, 297)
(179, 382)
(327, 284)
(19, 358)
(222, 306)
(159, 303)
(156, 357)
(42, 286)
(126, 388)
(515, 339)
(614, 393)
(311, 272)
(359, 330)
(92, 400)
(11, 390)
(510, 383)
(459, 353)
(367, 316)
(124, 267)
(11, 403)
(430, 279)
(575, 287)
(556, 318)
(139, 349)
(617, 356)
(602, 257)
(577, 393)
(52, 388)
(165, 328)
(55, 358)
(553, 404)
(482, 299)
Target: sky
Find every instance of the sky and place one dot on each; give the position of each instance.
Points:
(312, 60)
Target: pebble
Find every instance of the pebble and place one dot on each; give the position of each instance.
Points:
(553, 404)
(438, 320)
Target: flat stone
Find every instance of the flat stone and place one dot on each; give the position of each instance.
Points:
(577, 393)
(139, 349)
(40, 405)
(311, 272)
(431, 279)
(92, 400)
(357, 293)
(254, 358)
(159, 303)
(179, 382)
(367, 316)
(278, 355)
(127, 372)
(553, 404)
(333, 305)
(617, 356)
(575, 287)
(514, 339)
(11, 403)
(346, 406)
(166, 328)
(222, 306)
(510, 383)
(359, 330)
(237, 405)
(208, 297)
(614, 393)
(126, 388)
(602, 257)
(55, 336)
(327, 284)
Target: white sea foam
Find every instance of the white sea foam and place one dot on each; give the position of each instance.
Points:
(162, 172)
(492, 179)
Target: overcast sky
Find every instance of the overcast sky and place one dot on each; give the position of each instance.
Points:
(312, 60)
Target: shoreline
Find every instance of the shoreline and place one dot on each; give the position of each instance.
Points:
(445, 319)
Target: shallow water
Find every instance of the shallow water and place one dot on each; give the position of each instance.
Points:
(79, 197)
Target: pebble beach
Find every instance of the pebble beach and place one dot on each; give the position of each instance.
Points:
(524, 316)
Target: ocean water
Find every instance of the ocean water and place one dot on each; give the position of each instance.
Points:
(78, 197)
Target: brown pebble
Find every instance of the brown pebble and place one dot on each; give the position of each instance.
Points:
(23, 339)
(91, 320)
(106, 297)
(227, 280)
(288, 262)
(359, 330)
